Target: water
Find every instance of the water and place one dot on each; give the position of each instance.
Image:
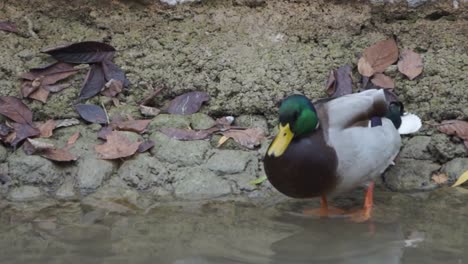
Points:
(428, 228)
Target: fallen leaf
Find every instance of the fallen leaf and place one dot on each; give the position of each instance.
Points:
(383, 81)
(117, 146)
(27, 88)
(258, 180)
(330, 86)
(222, 140)
(32, 146)
(61, 155)
(67, 122)
(462, 179)
(150, 96)
(457, 128)
(92, 113)
(72, 140)
(378, 57)
(94, 81)
(410, 64)
(5, 131)
(40, 94)
(145, 146)
(113, 72)
(249, 138)
(22, 132)
(187, 134)
(341, 83)
(46, 128)
(187, 103)
(138, 126)
(112, 88)
(57, 67)
(8, 26)
(440, 178)
(149, 111)
(56, 87)
(82, 52)
(104, 132)
(15, 109)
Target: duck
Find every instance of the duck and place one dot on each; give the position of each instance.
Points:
(333, 145)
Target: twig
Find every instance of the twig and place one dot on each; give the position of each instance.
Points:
(105, 111)
(31, 28)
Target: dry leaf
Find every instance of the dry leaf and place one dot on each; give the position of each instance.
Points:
(112, 88)
(187, 103)
(188, 134)
(378, 57)
(113, 72)
(27, 88)
(222, 140)
(32, 146)
(40, 94)
(15, 109)
(55, 88)
(117, 146)
(92, 113)
(94, 81)
(440, 178)
(57, 67)
(82, 52)
(72, 140)
(62, 155)
(383, 81)
(150, 96)
(138, 126)
(104, 132)
(457, 128)
(410, 64)
(145, 146)
(67, 122)
(46, 129)
(8, 26)
(22, 132)
(149, 111)
(341, 83)
(249, 138)
(462, 179)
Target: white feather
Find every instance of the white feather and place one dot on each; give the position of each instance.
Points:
(410, 123)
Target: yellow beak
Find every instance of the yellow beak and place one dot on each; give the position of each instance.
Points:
(281, 141)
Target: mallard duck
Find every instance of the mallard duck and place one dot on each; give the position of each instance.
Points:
(329, 147)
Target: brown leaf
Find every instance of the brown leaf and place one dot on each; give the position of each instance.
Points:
(104, 132)
(137, 126)
(27, 88)
(117, 146)
(378, 57)
(341, 83)
(457, 128)
(187, 103)
(46, 128)
(4, 131)
(94, 81)
(62, 155)
(51, 69)
(249, 138)
(23, 131)
(32, 146)
(149, 111)
(72, 140)
(92, 113)
(112, 71)
(145, 146)
(15, 109)
(8, 26)
(112, 88)
(383, 81)
(40, 94)
(410, 64)
(188, 134)
(330, 86)
(57, 87)
(440, 178)
(67, 122)
(82, 52)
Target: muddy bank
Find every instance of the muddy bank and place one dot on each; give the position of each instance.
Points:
(247, 57)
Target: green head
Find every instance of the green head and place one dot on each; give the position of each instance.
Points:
(299, 113)
(297, 117)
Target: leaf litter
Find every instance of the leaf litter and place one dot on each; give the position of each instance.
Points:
(117, 146)
(187, 103)
(82, 52)
(377, 57)
(410, 64)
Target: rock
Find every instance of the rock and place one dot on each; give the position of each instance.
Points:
(185, 153)
(25, 193)
(201, 121)
(455, 168)
(199, 183)
(411, 175)
(124, 111)
(92, 172)
(66, 191)
(145, 171)
(252, 121)
(38, 170)
(229, 161)
(3, 153)
(416, 148)
(443, 149)
(166, 120)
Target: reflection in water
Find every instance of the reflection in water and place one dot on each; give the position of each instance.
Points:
(403, 230)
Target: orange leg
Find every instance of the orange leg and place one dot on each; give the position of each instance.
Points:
(324, 210)
(364, 214)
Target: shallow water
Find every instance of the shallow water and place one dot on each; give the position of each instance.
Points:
(428, 228)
